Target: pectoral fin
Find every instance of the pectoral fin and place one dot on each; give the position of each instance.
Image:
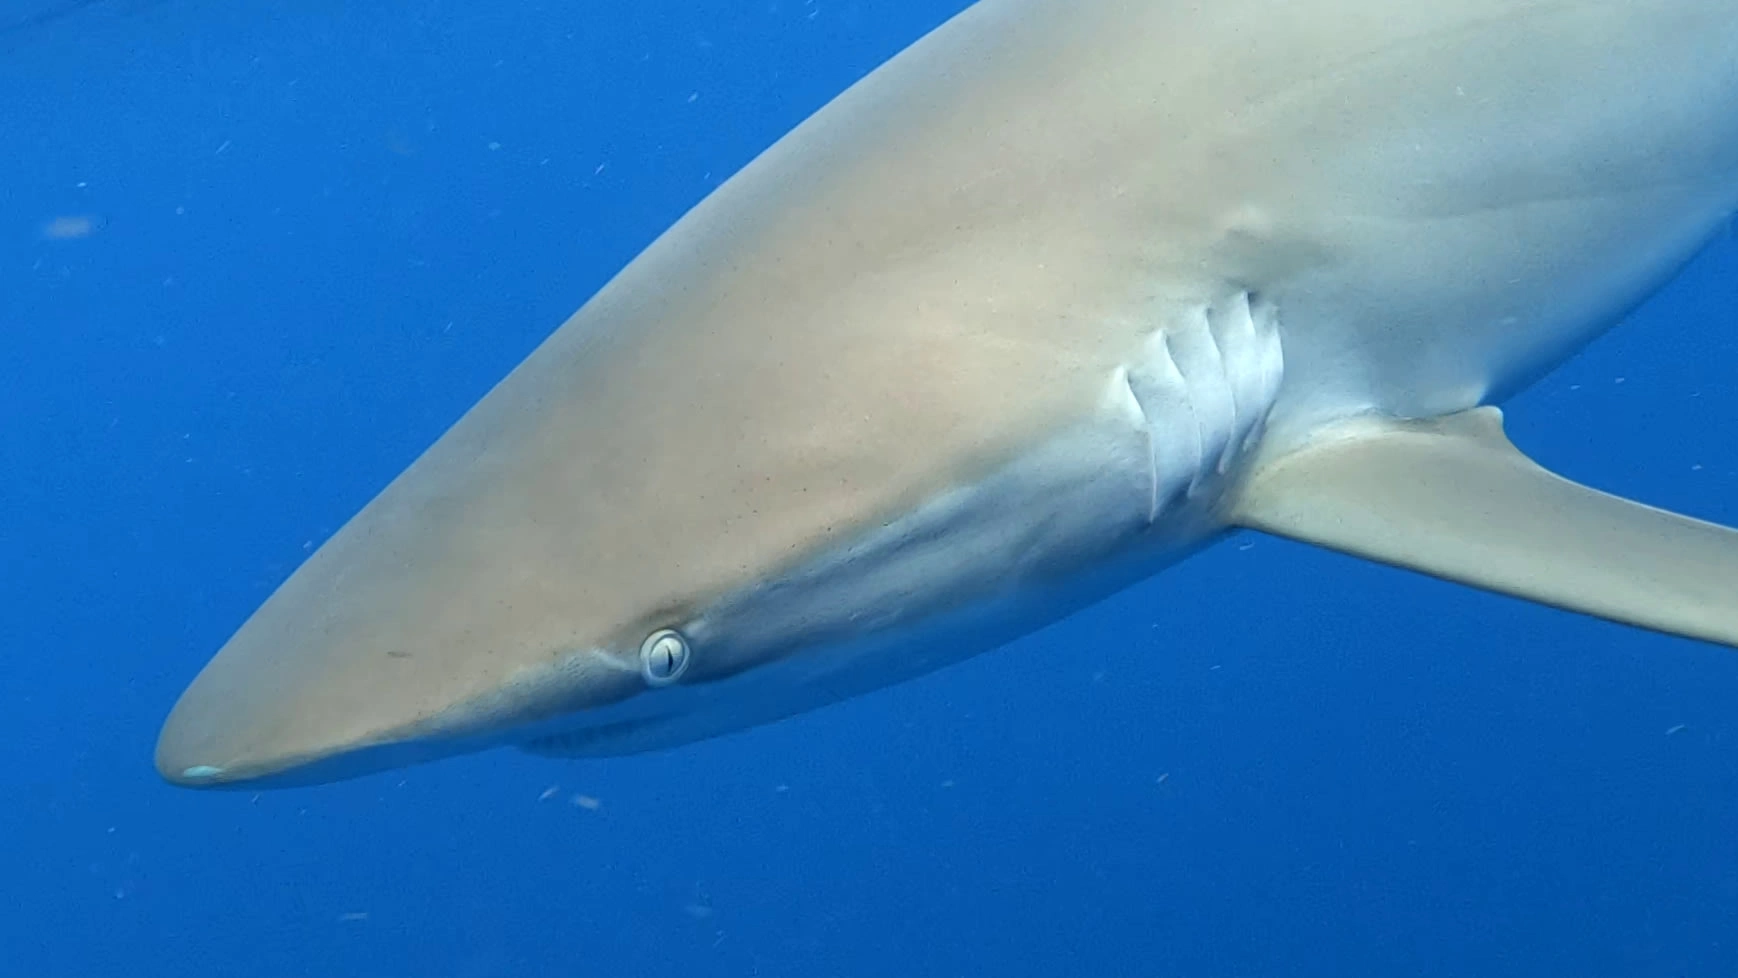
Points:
(1452, 497)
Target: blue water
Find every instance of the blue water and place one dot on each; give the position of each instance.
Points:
(254, 257)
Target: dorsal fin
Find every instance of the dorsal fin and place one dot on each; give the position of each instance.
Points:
(1452, 497)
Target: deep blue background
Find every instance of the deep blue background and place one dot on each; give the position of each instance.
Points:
(318, 231)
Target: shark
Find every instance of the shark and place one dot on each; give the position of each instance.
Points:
(1056, 297)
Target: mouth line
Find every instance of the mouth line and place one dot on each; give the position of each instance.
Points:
(578, 741)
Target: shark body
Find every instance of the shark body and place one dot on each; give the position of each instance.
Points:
(1060, 294)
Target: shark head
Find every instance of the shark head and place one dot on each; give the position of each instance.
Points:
(647, 557)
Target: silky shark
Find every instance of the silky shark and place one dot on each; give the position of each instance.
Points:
(1062, 293)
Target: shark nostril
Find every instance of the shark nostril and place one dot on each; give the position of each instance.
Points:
(664, 656)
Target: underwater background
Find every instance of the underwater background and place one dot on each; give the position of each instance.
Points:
(254, 257)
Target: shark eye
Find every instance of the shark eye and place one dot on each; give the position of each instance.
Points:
(664, 657)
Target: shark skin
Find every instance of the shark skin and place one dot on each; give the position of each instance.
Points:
(1061, 294)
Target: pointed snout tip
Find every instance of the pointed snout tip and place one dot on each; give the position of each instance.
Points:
(191, 775)
(196, 749)
(183, 767)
